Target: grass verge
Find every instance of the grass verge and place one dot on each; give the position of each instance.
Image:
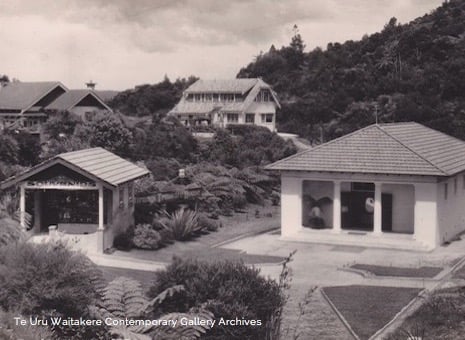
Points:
(369, 308)
(421, 272)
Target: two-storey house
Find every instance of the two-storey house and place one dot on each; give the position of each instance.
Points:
(223, 102)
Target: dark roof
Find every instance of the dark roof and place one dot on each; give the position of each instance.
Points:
(23, 95)
(396, 148)
(97, 163)
(71, 98)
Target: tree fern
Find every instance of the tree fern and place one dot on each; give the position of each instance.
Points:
(123, 298)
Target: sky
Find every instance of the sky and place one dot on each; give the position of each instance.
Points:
(122, 43)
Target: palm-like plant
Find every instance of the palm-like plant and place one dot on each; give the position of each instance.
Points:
(182, 224)
(123, 298)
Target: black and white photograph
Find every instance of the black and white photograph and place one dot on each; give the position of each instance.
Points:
(232, 170)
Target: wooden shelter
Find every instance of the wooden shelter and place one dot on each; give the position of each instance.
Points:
(85, 192)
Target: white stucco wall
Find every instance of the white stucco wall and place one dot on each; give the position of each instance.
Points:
(403, 206)
(291, 205)
(426, 216)
(451, 211)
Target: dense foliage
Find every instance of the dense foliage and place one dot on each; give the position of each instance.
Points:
(243, 146)
(149, 99)
(40, 278)
(229, 290)
(410, 72)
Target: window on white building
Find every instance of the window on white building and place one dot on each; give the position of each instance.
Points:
(233, 117)
(267, 118)
(250, 118)
(445, 191)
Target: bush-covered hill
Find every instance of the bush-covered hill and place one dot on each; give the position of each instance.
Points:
(148, 99)
(409, 72)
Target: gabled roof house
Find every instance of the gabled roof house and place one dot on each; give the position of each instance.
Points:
(398, 185)
(224, 102)
(29, 103)
(86, 195)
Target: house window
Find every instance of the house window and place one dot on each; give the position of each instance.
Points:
(233, 117)
(208, 97)
(267, 118)
(263, 96)
(197, 97)
(445, 190)
(250, 118)
(121, 197)
(216, 97)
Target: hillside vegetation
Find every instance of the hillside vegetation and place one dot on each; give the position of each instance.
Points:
(409, 72)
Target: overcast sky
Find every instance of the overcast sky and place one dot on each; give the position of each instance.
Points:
(123, 43)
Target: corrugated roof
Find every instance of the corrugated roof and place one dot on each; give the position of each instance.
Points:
(397, 148)
(222, 85)
(72, 98)
(97, 163)
(22, 95)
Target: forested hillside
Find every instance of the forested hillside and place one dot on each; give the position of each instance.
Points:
(148, 99)
(409, 72)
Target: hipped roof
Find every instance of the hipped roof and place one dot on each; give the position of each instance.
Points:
(396, 148)
(96, 163)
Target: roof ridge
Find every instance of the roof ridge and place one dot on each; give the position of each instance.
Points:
(321, 145)
(410, 149)
(48, 91)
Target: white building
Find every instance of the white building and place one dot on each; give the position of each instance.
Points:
(399, 185)
(224, 102)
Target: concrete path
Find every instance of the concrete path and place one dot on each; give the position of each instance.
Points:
(320, 265)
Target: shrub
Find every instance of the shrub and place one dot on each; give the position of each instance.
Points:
(182, 224)
(123, 241)
(146, 237)
(35, 278)
(11, 331)
(227, 289)
(208, 223)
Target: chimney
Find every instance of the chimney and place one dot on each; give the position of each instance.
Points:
(91, 85)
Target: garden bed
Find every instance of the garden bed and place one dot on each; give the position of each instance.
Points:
(421, 272)
(440, 317)
(369, 308)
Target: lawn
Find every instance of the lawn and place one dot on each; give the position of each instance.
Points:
(421, 272)
(369, 308)
(441, 317)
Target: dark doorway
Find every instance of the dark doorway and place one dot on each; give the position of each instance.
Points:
(386, 212)
(50, 210)
(356, 211)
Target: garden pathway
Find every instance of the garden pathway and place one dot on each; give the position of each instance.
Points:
(325, 265)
